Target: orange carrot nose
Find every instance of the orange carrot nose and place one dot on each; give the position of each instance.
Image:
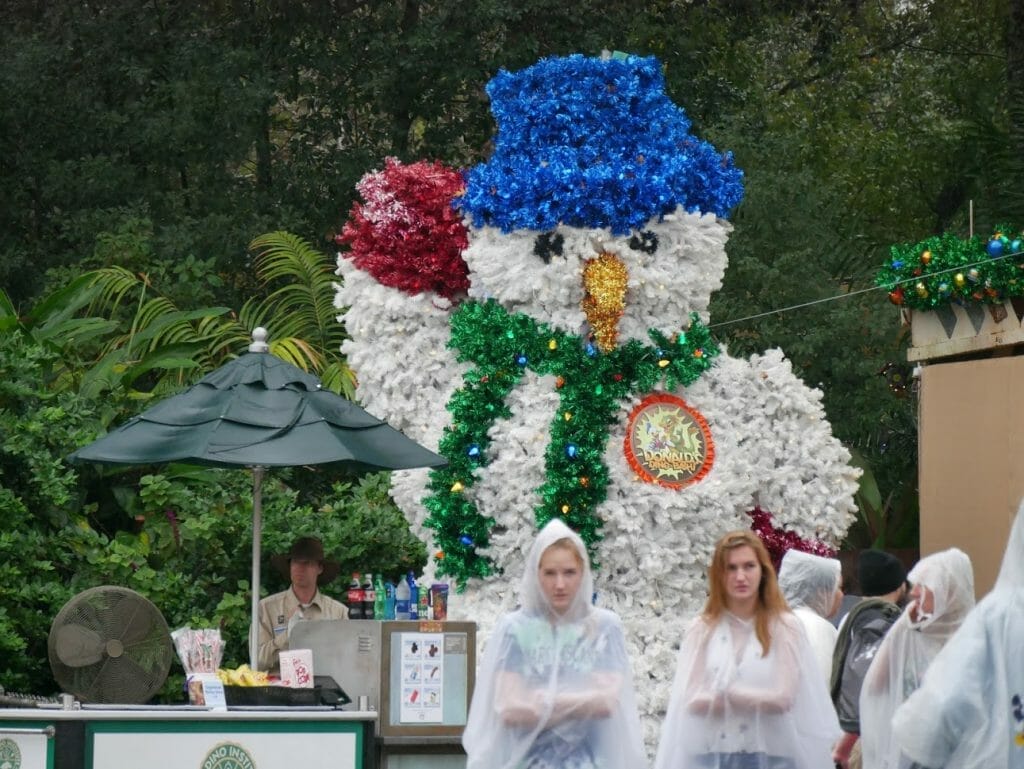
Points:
(604, 298)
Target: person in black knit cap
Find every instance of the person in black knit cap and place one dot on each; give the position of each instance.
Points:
(883, 585)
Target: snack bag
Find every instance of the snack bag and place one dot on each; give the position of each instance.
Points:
(297, 668)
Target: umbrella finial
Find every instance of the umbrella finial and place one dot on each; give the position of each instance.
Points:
(259, 340)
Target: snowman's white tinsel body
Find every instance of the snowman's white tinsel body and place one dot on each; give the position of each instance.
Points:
(773, 448)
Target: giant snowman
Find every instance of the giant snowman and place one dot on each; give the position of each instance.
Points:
(541, 319)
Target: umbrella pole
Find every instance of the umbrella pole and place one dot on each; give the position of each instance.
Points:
(257, 535)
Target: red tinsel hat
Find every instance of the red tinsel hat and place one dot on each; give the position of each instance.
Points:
(406, 233)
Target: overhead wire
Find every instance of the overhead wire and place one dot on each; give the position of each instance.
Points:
(848, 294)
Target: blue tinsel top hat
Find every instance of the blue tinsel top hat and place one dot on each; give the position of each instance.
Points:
(593, 142)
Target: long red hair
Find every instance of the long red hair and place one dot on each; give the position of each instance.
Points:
(770, 602)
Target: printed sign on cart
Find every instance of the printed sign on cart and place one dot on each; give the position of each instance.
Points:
(227, 755)
(24, 751)
(422, 663)
(10, 754)
(224, 749)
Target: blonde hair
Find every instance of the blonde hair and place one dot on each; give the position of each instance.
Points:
(770, 602)
(565, 543)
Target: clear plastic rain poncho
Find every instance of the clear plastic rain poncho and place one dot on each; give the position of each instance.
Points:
(810, 584)
(733, 707)
(554, 689)
(968, 713)
(909, 648)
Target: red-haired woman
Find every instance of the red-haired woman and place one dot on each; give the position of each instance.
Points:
(747, 692)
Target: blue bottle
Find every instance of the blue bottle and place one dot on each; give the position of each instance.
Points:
(389, 600)
(414, 597)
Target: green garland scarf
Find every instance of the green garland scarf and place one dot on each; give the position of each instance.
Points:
(945, 268)
(591, 385)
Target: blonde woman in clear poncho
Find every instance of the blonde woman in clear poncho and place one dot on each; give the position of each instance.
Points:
(968, 712)
(940, 599)
(554, 690)
(748, 693)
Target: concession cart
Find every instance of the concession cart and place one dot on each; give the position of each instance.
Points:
(417, 676)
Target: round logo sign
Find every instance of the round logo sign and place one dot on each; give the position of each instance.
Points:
(668, 443)
(228, 755)
(10, 754)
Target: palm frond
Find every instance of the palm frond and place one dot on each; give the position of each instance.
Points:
(298, 352)
(112, 285)
(304, 305)
(338, 377)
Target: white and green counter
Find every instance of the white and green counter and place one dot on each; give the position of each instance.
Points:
(186, 737)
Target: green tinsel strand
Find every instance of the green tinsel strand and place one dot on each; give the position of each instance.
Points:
(502, 346)
(460, 529)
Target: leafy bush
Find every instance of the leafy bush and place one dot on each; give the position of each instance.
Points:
(181, 537)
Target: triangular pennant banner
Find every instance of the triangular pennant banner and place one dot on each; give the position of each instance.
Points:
(1017, 303)
(947, 318)
(977, 315)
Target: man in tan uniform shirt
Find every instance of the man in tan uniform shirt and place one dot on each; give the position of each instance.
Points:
(307, 568)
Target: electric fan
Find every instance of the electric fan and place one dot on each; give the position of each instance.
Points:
(110, 645)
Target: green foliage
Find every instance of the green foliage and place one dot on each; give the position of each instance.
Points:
(190, 552)
(144, 145)
(891, 522)
(38, 503)
(182, 538)
(116, 330)
(300, 308)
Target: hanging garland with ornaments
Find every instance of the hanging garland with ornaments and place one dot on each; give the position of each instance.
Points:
(944, 269)
(591, 385)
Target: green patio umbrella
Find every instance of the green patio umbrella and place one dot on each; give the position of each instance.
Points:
(258, 411)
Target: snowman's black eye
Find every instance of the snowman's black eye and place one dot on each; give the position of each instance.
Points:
(645, 241)
(548, 244)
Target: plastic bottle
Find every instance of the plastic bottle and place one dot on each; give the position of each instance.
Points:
(389, 600)
(402, 595)
(414, 597)
(355, 597)
(378, 597)
(424, 599)
(369, 596)
(439, 601)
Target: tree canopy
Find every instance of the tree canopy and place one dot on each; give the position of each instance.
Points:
(148, 142)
